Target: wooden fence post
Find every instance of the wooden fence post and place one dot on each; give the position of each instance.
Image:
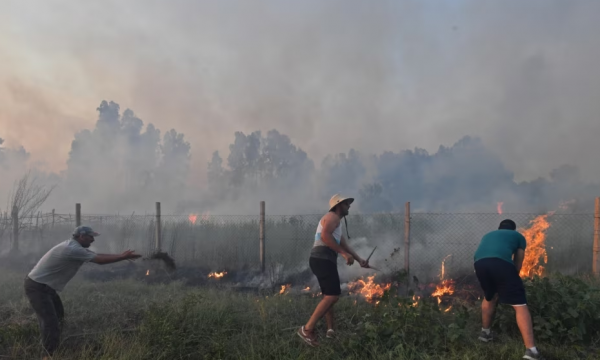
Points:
(262, 236)
(596, 254)
(158, 229)
(77, 215)
(15, 223)
(407, 238)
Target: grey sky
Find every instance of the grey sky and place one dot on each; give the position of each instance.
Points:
(375, 76)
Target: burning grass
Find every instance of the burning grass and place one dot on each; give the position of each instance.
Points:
(138, 321)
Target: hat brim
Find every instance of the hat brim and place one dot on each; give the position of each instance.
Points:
(349, 200)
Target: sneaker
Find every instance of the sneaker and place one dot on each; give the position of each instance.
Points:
(531, 356)
(330, 334)
(308, 336)
(486, 337)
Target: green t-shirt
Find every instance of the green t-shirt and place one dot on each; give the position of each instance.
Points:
(500, 244)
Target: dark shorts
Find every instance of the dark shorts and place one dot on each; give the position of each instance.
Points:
(498, 276)
(327, 275)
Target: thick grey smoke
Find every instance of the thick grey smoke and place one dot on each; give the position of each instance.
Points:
(332, 76)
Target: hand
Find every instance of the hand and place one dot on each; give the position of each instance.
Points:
(363, 263)
(129, 254)
(349, 258)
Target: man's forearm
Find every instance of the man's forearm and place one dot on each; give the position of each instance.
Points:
(519, 265)
(330, 241)
(351, 251)
(103, 259)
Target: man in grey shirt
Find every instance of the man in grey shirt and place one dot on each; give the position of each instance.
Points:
(54, 270)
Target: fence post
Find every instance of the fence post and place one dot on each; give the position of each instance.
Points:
(158, 228)
(15, 221)
(595, 264)
(407, 238)
(77, 215)
(52, 218)
(262, 236)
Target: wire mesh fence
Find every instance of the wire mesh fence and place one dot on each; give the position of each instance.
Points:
(232, 242)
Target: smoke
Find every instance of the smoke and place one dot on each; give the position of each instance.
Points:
(331, 75)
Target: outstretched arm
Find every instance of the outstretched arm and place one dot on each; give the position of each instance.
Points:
(103, 259)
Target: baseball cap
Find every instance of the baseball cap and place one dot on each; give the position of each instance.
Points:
(84, 230)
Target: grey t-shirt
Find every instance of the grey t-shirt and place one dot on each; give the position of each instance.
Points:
(58, 266)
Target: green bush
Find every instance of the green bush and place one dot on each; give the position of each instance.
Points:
(399, 323)
(564, 310)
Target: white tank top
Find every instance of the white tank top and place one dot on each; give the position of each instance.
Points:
(337, 235)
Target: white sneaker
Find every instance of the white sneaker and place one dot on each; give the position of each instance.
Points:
(330, 334)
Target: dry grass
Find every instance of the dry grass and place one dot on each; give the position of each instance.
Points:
(127, 319)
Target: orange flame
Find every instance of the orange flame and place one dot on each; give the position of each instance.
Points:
(284, 288)
(368, 288)
(499, 207)
(217, 275)
(306, 289)
(193, 218)
(536, 246)
(446, 287)
(148, 272)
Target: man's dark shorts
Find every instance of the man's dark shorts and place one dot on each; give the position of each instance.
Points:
(501, 277)
(327, 274)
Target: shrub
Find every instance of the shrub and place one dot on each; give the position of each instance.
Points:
(564, 309)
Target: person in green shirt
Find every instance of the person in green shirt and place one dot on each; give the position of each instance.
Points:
(498, 261)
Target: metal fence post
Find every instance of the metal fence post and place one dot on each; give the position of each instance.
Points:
(262, 236)
(15, 223)
(595, 264)
(158, 228)
(407, 238)
(77, 215)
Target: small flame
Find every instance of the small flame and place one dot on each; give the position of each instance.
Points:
(499, 207)
(536, 246)
(147, 272)
(284, 288)
(368, 289)
(446, 287)
(306, 289)
(448, 309)
(415, 300)
(217, 275)
(193, 218)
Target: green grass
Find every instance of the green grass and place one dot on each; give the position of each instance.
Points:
(128, 319)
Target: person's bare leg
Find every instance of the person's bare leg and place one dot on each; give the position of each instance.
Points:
(329, 318)
(525, 325)
(322, 308)
(487, 312)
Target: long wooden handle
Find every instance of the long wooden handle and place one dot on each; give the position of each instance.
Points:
(371, 253)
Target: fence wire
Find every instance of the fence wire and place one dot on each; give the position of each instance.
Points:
(232, 242)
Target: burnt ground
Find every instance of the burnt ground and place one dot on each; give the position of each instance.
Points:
(157, 271)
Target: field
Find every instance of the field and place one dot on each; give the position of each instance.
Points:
(139, 311)
(131, 319)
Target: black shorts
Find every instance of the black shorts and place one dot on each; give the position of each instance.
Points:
(327, 274)
(499, 276)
